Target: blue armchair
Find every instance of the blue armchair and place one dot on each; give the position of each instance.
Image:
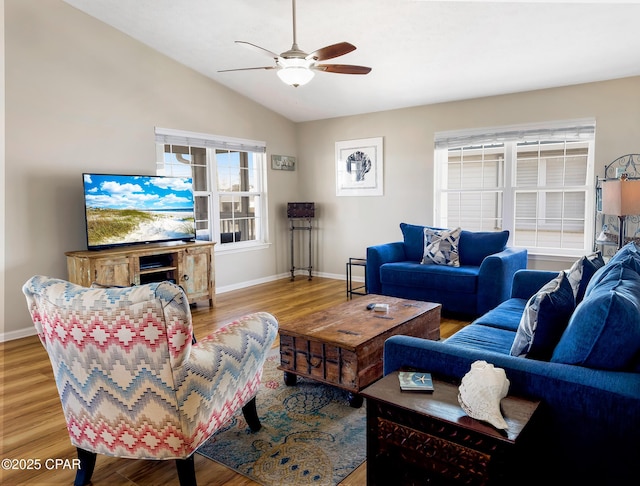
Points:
(481, 281)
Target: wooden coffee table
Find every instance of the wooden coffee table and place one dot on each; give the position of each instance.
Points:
(343, 345)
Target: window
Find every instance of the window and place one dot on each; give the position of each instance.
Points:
(228, 184)
(535, 181)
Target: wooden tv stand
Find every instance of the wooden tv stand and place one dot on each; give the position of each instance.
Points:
(190, 265)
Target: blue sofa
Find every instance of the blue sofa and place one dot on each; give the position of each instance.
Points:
(585, 369)
(480, 282)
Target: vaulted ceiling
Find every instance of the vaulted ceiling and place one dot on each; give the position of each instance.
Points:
(420, 51)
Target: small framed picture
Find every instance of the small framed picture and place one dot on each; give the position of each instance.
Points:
(283, 162)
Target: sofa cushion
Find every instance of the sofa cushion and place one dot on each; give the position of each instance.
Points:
(506, 316)
(581, 272)
(413, 236)
(544, 319)
(441, 247)
(443, 277)
(475, 246)
(628, 261)
(483, 338)
(604, 330)
(630, 250)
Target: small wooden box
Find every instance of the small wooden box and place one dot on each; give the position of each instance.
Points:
(306, 210)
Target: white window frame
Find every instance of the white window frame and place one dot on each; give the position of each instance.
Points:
(210, 142)
(581, 130)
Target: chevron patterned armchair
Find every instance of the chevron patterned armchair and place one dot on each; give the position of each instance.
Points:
(131, 381)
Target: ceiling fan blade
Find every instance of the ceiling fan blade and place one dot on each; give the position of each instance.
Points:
(259, 49)
(342, 68)
(334, 50)
(247, 69)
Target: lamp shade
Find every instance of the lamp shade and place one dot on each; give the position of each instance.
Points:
(621, 197)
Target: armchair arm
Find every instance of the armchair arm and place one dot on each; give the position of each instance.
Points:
(379, 255)
(222, 374)
(496, 276)
(527, 282)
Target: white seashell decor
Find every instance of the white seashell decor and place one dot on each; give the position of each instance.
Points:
(481, 391)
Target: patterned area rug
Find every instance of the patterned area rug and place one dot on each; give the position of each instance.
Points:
(309, 435)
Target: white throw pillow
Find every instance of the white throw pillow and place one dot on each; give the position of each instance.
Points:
(441, 247)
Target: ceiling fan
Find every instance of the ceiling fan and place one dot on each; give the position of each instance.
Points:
(296, 67)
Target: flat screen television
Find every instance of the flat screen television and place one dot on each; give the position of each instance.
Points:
(137, 209)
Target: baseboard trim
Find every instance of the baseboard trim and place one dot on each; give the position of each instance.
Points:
(19, 334)
(273, 278)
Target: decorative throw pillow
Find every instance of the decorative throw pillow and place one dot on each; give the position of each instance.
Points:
(413, 236)
(581, 272)
(441, 247)
(544, 319)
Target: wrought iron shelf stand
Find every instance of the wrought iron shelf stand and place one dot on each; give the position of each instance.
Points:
(308, 226)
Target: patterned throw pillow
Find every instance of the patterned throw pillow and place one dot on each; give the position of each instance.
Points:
(544, 319)
(441, 247)
(581, 272)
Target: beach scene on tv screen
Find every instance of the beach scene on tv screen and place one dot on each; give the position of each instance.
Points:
(124, 209)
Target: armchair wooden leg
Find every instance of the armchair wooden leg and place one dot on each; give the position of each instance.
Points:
(87, 465)
(186, 471)
(251, 415)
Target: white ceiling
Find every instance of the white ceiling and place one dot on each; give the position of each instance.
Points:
(421, 51)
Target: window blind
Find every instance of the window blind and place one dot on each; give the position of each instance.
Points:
(582, 129)
(192, 139)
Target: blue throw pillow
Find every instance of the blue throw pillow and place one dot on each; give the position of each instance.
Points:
(544, 319)
(630, 250)
(604, 330)
(413, 240)
(627, 261)
(475, 246)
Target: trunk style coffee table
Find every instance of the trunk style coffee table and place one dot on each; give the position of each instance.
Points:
(343, 345)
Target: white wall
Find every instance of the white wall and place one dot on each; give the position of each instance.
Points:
(349, 224)
(82, 96)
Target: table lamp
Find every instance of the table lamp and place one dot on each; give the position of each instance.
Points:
(621, 197)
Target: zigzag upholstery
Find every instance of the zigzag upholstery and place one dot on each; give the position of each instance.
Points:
(131, 382)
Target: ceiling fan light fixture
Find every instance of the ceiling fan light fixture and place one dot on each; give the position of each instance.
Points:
(295, 72)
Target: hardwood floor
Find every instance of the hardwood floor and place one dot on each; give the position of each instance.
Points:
(33, 426)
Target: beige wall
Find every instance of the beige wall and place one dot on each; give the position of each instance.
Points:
(349, 224)
(81, 96)
(2, 171)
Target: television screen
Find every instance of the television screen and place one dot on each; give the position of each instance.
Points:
(130, 209)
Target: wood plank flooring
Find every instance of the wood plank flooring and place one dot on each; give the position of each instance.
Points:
(33, 426)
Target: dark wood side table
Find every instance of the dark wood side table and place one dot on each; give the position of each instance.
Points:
(421, 438)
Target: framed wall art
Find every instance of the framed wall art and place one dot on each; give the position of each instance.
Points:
(359, 167)
(283, 162)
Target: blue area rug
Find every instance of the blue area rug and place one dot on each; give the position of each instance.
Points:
(309, 435)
